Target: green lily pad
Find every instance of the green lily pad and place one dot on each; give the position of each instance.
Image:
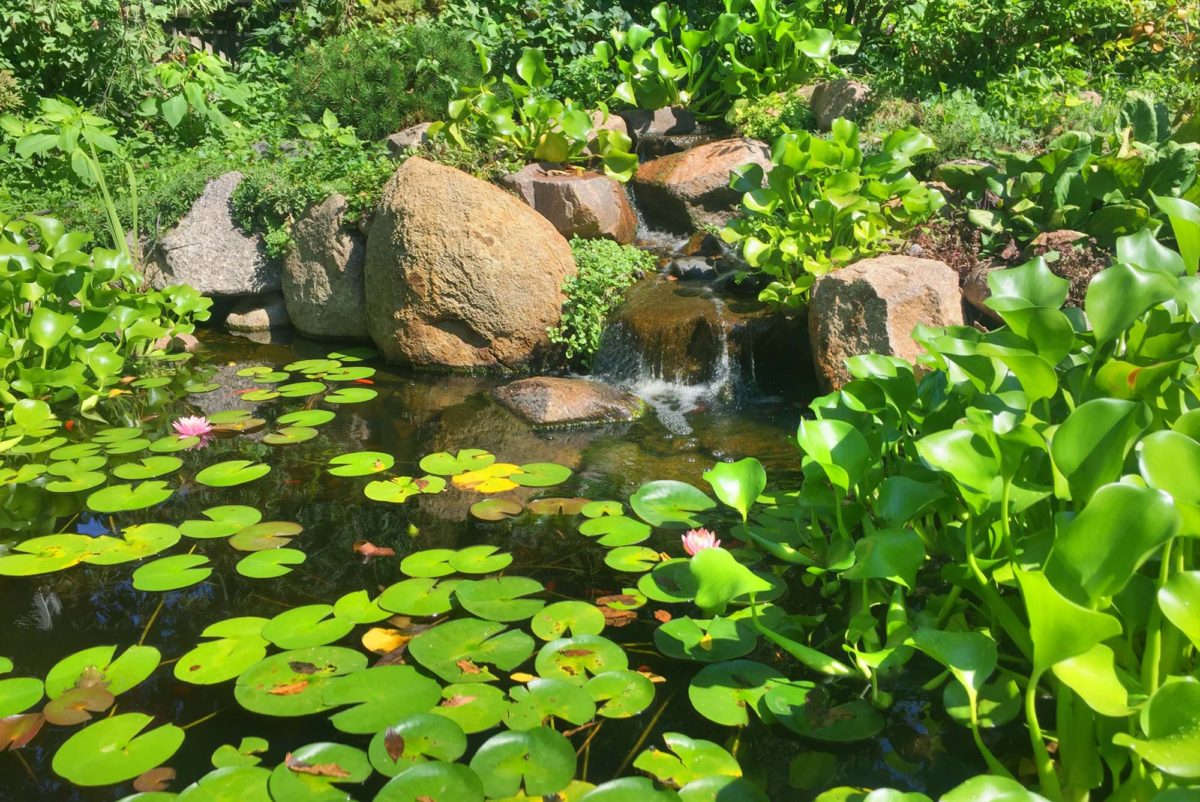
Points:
(434, 781)
(77, 451)
(246, 753)
(496, 509)
(560, 618)
(630, 789)
(624, 693)
(358, 607)
(124, 498)
(18, 694)
(351, 395)
(200, 388)
(132, 668)
(670, 504)
(671, 582)
(305, 627)
(232, 473)
(598, 509)
(173, 443)
(77, 475)
(230, 416)
(557, 506)
(726, 692)
(265, 535)
(271, 377)
(445, 464)
(289, 435)
(239, 646)
(252, 370)
(135, 543)
(476, 707)
(310, 418)
(705, 640)
(461, 650)
(688, 760)
(117, 434)
(414, 739)
(615, 530)
(575, 659)
(481, 559)
(152, 382)
(357, 354)
(421, 596)
(380, 696)
(541, 474)
(127, 446)
(232, 784)
(293, 683)
(313, 367)
(632, 559)
(428, 563)
(542, 700)
(350, 374)
(259, 395)
(341, 764)
(540, 760)
(224, 521)
(401, 488)
(802, 709)
(45, 555)
(500, 598)
(300, 389)
(115, 749)
(361, 463)
(270, 563)
(172, 573)
(148, 468)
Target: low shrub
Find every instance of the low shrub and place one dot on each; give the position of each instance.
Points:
(771, 116)
(605, 271)
(380, 80)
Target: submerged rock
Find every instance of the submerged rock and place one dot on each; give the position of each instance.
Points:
(260, 313)
(323, 274)
(587, 205)
(686, 191)
(873, 305)
(207, 250)
(461, 275)
(547, 401)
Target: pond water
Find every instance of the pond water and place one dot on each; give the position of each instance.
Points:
(412, 416)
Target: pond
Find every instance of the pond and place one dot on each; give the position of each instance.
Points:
(298, 538)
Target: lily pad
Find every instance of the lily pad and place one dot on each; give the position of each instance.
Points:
(361, 463)
(289, 435)
(624, 694)
(434, 781)
(557, 506)
(705, 640)
(259, 395)
(310, 773)
(500, 598)
(561, 618)
(598, 509)
(632, 559)
(265, 535)
(232, 473)
(802, 709)
(476, 707)
(482, 559)
(542, 700)
(172, 573)
(401, 488)
(727, 692)
(380, 696)
(351, 395)
(670, 504)
(231, 784)
(224, 521)
(445, 464)
(246, 753)
(45, 554)
(292, 683)
(131, 668)
(350, 374)
(541, 474)
(688, 760)
(421, 596)
(148, 468)
(575, 659)
(428, 563)
(540, 760)
(495, 478)
(124, 498)
(116, 749)
(127, 446)
(358, 607)
(496, 509)
(18, 694)
(270, 563)
(313, 367)
(305, 627)
(300, 389)
(310, 418)
(239, 646)
(615, 530)
(414, 739)
(173, 443)
(461, 650)
(671, 582)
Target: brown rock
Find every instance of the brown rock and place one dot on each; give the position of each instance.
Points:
(872, 306)
(652, 123)
(1062, 240)
(323, 274)
(414, 136)
(587, 205)
(460, 274)
(685, 191)
(840, 98)
(258, 313)
(546, 401)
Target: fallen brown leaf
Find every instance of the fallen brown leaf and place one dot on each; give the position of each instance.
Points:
(368, 550)
(315, 769)
(662, 616)
(458, 700)
(289, 689)
(16, 731)
(154, 780)
(393, 742)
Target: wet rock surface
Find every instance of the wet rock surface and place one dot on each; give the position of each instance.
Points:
(685, 191)
(579, 204)
(554, 402)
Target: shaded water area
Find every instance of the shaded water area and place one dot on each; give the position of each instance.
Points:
(415, 415)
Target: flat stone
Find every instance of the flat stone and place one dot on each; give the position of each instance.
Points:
(548, 401)
(261, 313)
(872, 306)
(579, 204)
(686, 191)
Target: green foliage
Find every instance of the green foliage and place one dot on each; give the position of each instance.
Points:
(771, 116)
(825, 203)
(1102, 187)
(73, 316)
(605, 271)
(10, 93)
(193, 95)
(752, 49)
(380, 80)
(328, 159)
(525, 120)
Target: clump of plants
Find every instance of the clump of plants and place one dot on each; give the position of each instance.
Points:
(825, 203)
(605, 270)
(771, 116)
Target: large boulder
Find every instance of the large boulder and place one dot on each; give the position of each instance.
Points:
(840, 98)
(209, 252)
(547, 401)
(872, 306)
(652, 123)
(323, 274)
(460, 274)
(685, 191)
(415, 136)
(587, 205)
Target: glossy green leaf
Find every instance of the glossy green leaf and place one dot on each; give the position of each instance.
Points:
(738, 484)
(115, 749)
(540, 761)
(670, 504)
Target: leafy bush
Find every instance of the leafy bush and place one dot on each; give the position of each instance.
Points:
(1084, 183)
(605, 271)
(754, 48)
(825, 203)
(193, 94)
(329, 159)
(73, 316)
(381, 80)
(769, 117)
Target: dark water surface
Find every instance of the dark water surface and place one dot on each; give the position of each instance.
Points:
(414, 415)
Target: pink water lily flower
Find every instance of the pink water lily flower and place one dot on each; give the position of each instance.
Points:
(697, 540)
(194, 426)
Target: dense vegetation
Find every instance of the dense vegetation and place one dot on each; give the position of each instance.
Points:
(1012, 527)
